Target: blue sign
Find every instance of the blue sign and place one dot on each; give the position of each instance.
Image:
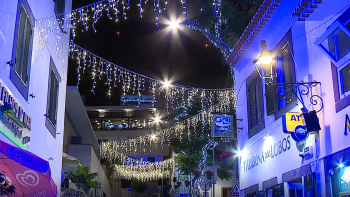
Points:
(128, 189)
(300, 133)
(345, 179)
(222, 124)
(148, 190)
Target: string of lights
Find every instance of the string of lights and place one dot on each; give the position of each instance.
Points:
(116, 150)
(134, 83)
(144, 171)
(214, 39)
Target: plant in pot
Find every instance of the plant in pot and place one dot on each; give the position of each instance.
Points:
(209, 174)
(196, 174)
(187, 183)
(224, 155)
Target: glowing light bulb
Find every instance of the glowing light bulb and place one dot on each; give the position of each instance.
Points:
(266, 59)
(153, 137)
(174, 25)
(156, 120)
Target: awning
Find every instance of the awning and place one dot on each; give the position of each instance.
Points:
(69, 160)
(24, 174)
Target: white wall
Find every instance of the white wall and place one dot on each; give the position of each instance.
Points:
(42, 142)
(309, 59)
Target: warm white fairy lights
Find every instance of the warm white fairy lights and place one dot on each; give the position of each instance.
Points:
(134, 83)
(116, 150)
(145, 171)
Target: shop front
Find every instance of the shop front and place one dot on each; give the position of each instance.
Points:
(21, 173)
(277, 165)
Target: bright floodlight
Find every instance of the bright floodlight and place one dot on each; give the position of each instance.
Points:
(174, 25)
(341, 165)
(239, 153)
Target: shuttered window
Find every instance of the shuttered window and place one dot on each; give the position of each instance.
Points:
(22, 48)
(279, 98)
(255, 105)
(52, 100)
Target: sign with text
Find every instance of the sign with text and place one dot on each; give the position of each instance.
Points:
(291, 120)
(15, 123)
(224, 125)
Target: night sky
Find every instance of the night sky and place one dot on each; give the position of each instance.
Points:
(180, 55)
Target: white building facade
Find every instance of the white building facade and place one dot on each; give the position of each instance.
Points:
(310, 41)
(33, 79)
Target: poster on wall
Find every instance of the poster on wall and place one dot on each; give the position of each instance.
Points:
(15, 122)
(224, 125)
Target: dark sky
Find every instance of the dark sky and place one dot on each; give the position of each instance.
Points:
(141, 47)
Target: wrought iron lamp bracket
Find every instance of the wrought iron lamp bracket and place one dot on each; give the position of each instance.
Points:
(301, 90)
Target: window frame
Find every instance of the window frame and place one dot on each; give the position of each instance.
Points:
(17, 80)
(253, 131)
(48, 123)
(337, 24)
(286, 39)
(341, 23)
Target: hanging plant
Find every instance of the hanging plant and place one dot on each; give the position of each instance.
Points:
(187, 183)
(209, 174)
(196, 174)
(225, 155)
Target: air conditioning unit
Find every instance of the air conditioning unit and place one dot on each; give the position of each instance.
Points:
(76, 140)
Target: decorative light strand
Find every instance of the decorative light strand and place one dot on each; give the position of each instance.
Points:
(114, 150)
(131, 80)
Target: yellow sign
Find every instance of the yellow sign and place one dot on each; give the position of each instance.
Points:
(290, 120)
(344, 195)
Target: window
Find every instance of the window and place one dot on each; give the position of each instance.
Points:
(335, 42)
(345, 79)
(279, 98)
(22, 48)
(51, 113)
(255, 104)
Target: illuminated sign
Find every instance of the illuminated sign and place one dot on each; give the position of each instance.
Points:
(291, 120)
(269, 152)
(347, 125)
(345, 179)
(222, 124)
(15, 123)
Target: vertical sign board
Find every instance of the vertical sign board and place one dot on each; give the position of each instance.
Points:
(344, 179)
(235, 190)
(224, 125)
(15, 122)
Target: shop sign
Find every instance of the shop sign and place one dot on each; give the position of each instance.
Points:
(347, 125)
(262, 156)
(15, 123)
(290, 121)
(223, 125)
(345, 179)
(293, 123)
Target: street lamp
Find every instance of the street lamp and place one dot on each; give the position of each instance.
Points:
(174, 24)
(266, 64)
